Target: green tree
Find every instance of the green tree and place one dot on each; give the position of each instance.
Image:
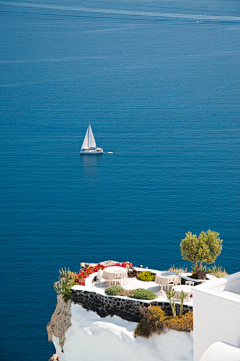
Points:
(204, 248)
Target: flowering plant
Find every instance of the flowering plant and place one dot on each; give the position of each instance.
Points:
(81, 276)
(125, 264)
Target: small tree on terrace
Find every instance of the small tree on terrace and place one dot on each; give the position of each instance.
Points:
(206, 248)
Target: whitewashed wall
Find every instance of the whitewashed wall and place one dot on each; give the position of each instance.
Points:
(216, 315)
(92, 338)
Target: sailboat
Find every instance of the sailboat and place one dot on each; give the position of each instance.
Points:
(89, 145)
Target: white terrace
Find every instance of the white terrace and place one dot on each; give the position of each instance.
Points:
(131, 283)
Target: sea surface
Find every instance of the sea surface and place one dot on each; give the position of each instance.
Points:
(159, 82)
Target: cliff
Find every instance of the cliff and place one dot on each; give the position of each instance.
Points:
(60, 320)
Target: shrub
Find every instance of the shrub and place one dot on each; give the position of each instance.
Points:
(180, 323)
(63, 272)
(71, 275)
(66, 281)
(178, 269)
(155, 320)
(152, 321)
(142, 294)
(64, 287)
(115, 291)
(216, 271)
(146, 276)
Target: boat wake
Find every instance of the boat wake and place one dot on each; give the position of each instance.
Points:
(154, 14)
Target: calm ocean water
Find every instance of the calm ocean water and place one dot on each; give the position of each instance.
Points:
(159, 81)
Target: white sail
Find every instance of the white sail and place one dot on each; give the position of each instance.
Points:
(92, 143)
(89, 141)
(85, 142)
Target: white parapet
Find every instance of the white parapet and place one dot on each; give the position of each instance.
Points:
(89, 280)
(216, 316)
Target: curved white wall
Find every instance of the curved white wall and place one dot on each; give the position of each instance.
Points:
(216, 314)
(221, 351)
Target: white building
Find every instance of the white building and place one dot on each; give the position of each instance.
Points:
(216, 320)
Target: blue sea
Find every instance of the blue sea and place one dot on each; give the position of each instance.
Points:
(159, 82)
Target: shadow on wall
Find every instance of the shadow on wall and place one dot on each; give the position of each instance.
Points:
(221, 351)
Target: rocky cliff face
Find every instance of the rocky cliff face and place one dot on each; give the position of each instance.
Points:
(60, 320)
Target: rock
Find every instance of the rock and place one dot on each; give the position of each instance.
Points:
(60, 320)
(54, 357)
(108, 263)
(83, 265)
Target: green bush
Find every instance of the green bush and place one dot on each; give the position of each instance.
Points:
(66, 290)
(115, 291)
(142, 294)
(146, 276)
(64, 287)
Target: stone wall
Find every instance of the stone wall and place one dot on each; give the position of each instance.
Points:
(126, 308)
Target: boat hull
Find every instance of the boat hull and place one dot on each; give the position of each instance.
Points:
(91, 152)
